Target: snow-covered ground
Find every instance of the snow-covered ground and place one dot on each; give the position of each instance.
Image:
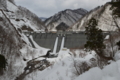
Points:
(110, 72)
(30, 53)
(62, 68)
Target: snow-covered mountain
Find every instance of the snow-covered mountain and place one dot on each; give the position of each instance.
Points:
(68, 16)
(24, 61)
(104, 16)
(21, 17)
(14, 45)
(43, 18)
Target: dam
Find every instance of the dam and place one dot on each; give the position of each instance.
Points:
(59, 40)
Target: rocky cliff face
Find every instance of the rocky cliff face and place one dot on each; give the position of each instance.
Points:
(22, 18)
(14, 45)
(69, 17)
(10, 44)
(104, 16)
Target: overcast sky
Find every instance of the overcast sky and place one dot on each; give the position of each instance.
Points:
(47, 8)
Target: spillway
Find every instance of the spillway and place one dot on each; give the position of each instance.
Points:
(55, 46)
(62, 44)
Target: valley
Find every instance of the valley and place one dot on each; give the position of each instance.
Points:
(72, 44)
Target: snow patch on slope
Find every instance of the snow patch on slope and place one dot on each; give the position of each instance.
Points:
(11, 6)
(62, 69)
(104, 16)
(22, 18)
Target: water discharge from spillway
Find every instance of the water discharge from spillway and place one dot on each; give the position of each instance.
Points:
(62, 44)
(55, 46)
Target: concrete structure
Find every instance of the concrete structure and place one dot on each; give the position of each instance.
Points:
(72, 40)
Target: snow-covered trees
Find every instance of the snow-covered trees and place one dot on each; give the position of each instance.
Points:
(3, 4)
(23, 12)
(115, 0)
(12, 1)
(116, 11)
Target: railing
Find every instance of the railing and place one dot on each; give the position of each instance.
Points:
(63, 33)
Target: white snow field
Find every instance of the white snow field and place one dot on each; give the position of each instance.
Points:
(110, 72)
(63, 68)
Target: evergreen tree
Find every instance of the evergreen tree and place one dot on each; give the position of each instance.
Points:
(116, 4)
(116, 11)
(95, 38)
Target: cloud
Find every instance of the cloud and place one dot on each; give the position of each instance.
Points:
(47, 8)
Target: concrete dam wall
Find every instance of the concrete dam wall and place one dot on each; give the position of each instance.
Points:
(68, 40)
(47, 40)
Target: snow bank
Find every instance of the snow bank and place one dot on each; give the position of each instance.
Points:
(110, 72)
(62, 69)
(117, 56)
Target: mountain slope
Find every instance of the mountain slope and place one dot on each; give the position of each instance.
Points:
(104, 16)
(43, 18)
(22, 18)
(10, 44)
(69, 17)
(14, 45)
(62, 26)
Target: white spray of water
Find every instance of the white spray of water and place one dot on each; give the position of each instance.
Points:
(62, 44)
(55, 46)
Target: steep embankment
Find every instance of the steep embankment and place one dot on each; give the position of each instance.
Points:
(22, 18)
(10, 44)
(104, 16)
(14, 45)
